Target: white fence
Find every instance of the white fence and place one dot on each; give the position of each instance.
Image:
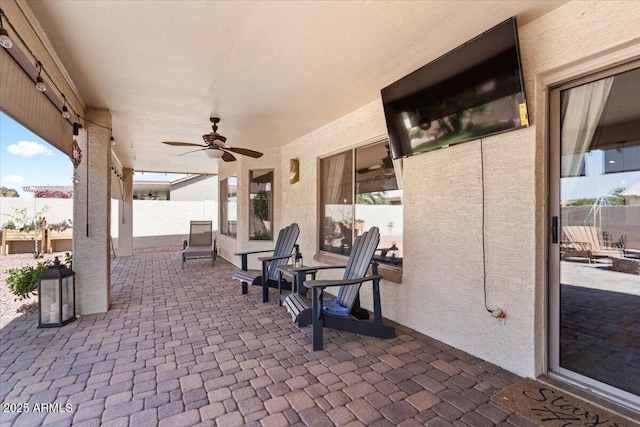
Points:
(55, 210)
(163, 223)
(155, 223)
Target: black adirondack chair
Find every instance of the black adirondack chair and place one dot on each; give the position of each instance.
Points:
(343, 312)
(201, 243)
(268, 277)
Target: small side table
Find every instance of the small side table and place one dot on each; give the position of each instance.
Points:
(298, 276)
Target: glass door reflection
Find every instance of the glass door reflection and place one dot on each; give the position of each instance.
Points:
(599, 286)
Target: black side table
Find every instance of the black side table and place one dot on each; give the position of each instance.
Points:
(298, 276)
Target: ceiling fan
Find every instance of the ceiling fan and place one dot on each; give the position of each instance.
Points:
(385, 166)
(215, 145)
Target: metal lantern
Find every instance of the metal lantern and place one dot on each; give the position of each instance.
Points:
(56, 296)
(393, 250)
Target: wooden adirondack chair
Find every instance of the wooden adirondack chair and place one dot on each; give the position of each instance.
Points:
(268, 277)
(584, 241)
(201, 243)
(339, 313)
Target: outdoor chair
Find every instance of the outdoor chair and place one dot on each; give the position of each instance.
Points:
(343, 311)
(268, 276)
(584, 241)
(201, 243)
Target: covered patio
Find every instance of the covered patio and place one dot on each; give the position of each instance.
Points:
(184, 347)
(300, 83)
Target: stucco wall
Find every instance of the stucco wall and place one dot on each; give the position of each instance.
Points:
(228, 246)
(92, 212)
(198, 188)
(160, 217)
(155, 223)
(442, 294)
(159, 223)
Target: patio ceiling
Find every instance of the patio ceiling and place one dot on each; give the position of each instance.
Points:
(273, 71)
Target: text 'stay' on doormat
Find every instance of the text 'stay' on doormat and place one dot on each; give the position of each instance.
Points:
(550, 407)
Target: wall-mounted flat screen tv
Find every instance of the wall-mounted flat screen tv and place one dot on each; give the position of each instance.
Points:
(473, 91)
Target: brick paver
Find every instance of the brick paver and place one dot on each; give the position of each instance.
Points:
(185, 347)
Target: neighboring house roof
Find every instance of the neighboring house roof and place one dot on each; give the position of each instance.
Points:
(185, 179)
(634, 190)
(151, 190)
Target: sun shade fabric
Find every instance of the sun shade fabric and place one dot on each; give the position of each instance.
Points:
(20, 99)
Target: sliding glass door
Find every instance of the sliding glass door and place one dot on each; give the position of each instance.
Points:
(595, 234)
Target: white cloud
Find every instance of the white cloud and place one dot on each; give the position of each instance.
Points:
(13, 179)
(28, 149)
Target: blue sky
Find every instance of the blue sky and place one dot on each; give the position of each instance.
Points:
(596, 183)
(26, 159)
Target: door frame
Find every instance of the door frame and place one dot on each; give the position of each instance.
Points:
(613, 63)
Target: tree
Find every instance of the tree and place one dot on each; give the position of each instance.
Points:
(8, 192)
(616, 198)
(582, 202)
(374, 198)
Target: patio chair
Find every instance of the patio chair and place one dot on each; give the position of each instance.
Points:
(584, 241)
(268, 276)
(201, 243)
(343, 312)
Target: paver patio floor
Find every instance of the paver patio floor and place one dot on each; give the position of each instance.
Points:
(184, 347)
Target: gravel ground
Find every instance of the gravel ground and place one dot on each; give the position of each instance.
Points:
(10, 306)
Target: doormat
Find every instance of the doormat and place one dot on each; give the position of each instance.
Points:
(548, 406)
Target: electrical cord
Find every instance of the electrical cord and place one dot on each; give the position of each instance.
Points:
(484, 253)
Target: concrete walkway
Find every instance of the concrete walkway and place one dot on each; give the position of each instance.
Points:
(184, 347)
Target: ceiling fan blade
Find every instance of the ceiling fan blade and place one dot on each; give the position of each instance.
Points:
(183, 144)
(370, 168)
(228, 157)
(193, 151)
(246, 152)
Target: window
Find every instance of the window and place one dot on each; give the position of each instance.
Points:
(260, 204)
(624, 158)
(229, 206)
(360, 189)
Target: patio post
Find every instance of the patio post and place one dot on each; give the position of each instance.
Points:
(125, 215)
(92, 214)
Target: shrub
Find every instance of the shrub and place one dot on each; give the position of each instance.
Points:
(23, 281)
(60, 226)
(9, 225)
(51, 194)
(68, 260)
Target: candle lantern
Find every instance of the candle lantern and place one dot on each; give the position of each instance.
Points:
(56, 296)
(393, 250)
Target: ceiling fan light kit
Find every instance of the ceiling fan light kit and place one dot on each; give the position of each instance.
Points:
(215, 146)
(214, 154)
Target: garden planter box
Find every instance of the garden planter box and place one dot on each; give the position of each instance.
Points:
(16, 241)
(59, 241)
